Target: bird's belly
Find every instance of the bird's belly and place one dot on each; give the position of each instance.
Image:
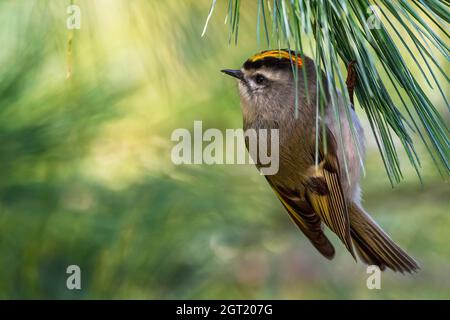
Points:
(349, 154)
(293, 160)
(293, 165)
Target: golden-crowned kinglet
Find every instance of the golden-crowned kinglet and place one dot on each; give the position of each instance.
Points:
(314, 194)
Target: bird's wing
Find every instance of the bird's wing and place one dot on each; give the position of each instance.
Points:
(305, 218)
(324, 192)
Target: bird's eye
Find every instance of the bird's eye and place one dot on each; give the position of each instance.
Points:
(260, 79)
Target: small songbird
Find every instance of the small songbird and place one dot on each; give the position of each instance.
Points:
(314, 191)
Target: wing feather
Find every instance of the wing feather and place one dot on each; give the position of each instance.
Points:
(324, 193)
(305, 219)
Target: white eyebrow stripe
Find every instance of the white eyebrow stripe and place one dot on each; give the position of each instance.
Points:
(268, 74)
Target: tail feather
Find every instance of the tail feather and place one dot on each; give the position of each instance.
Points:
(365, 253)
(374, 246)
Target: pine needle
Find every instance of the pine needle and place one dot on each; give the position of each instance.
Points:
(368, 32)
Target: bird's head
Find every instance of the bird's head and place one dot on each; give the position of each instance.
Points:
(266, 80)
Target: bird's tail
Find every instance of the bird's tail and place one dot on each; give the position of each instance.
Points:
(374, 246)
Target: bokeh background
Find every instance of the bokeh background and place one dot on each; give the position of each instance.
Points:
(86, 176)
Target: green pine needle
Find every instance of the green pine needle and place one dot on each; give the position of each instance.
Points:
(340, 31)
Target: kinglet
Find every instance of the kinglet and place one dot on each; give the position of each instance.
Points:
(314, 194)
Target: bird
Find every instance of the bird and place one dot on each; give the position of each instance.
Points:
(312, 182)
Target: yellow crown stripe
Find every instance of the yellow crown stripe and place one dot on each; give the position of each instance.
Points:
(277, 54)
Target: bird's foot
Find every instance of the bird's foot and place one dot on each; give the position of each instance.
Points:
(352, 77)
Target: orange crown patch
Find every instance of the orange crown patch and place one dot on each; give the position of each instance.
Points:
(278, 54)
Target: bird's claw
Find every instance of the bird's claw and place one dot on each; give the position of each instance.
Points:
(352, 77)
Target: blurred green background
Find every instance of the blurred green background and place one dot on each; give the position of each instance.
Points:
(86, 176)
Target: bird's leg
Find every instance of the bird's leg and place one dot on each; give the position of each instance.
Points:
(351, 81)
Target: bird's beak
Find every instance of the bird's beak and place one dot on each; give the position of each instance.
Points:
(234, 73)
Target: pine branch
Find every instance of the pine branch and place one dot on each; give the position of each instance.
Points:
(370, 33)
